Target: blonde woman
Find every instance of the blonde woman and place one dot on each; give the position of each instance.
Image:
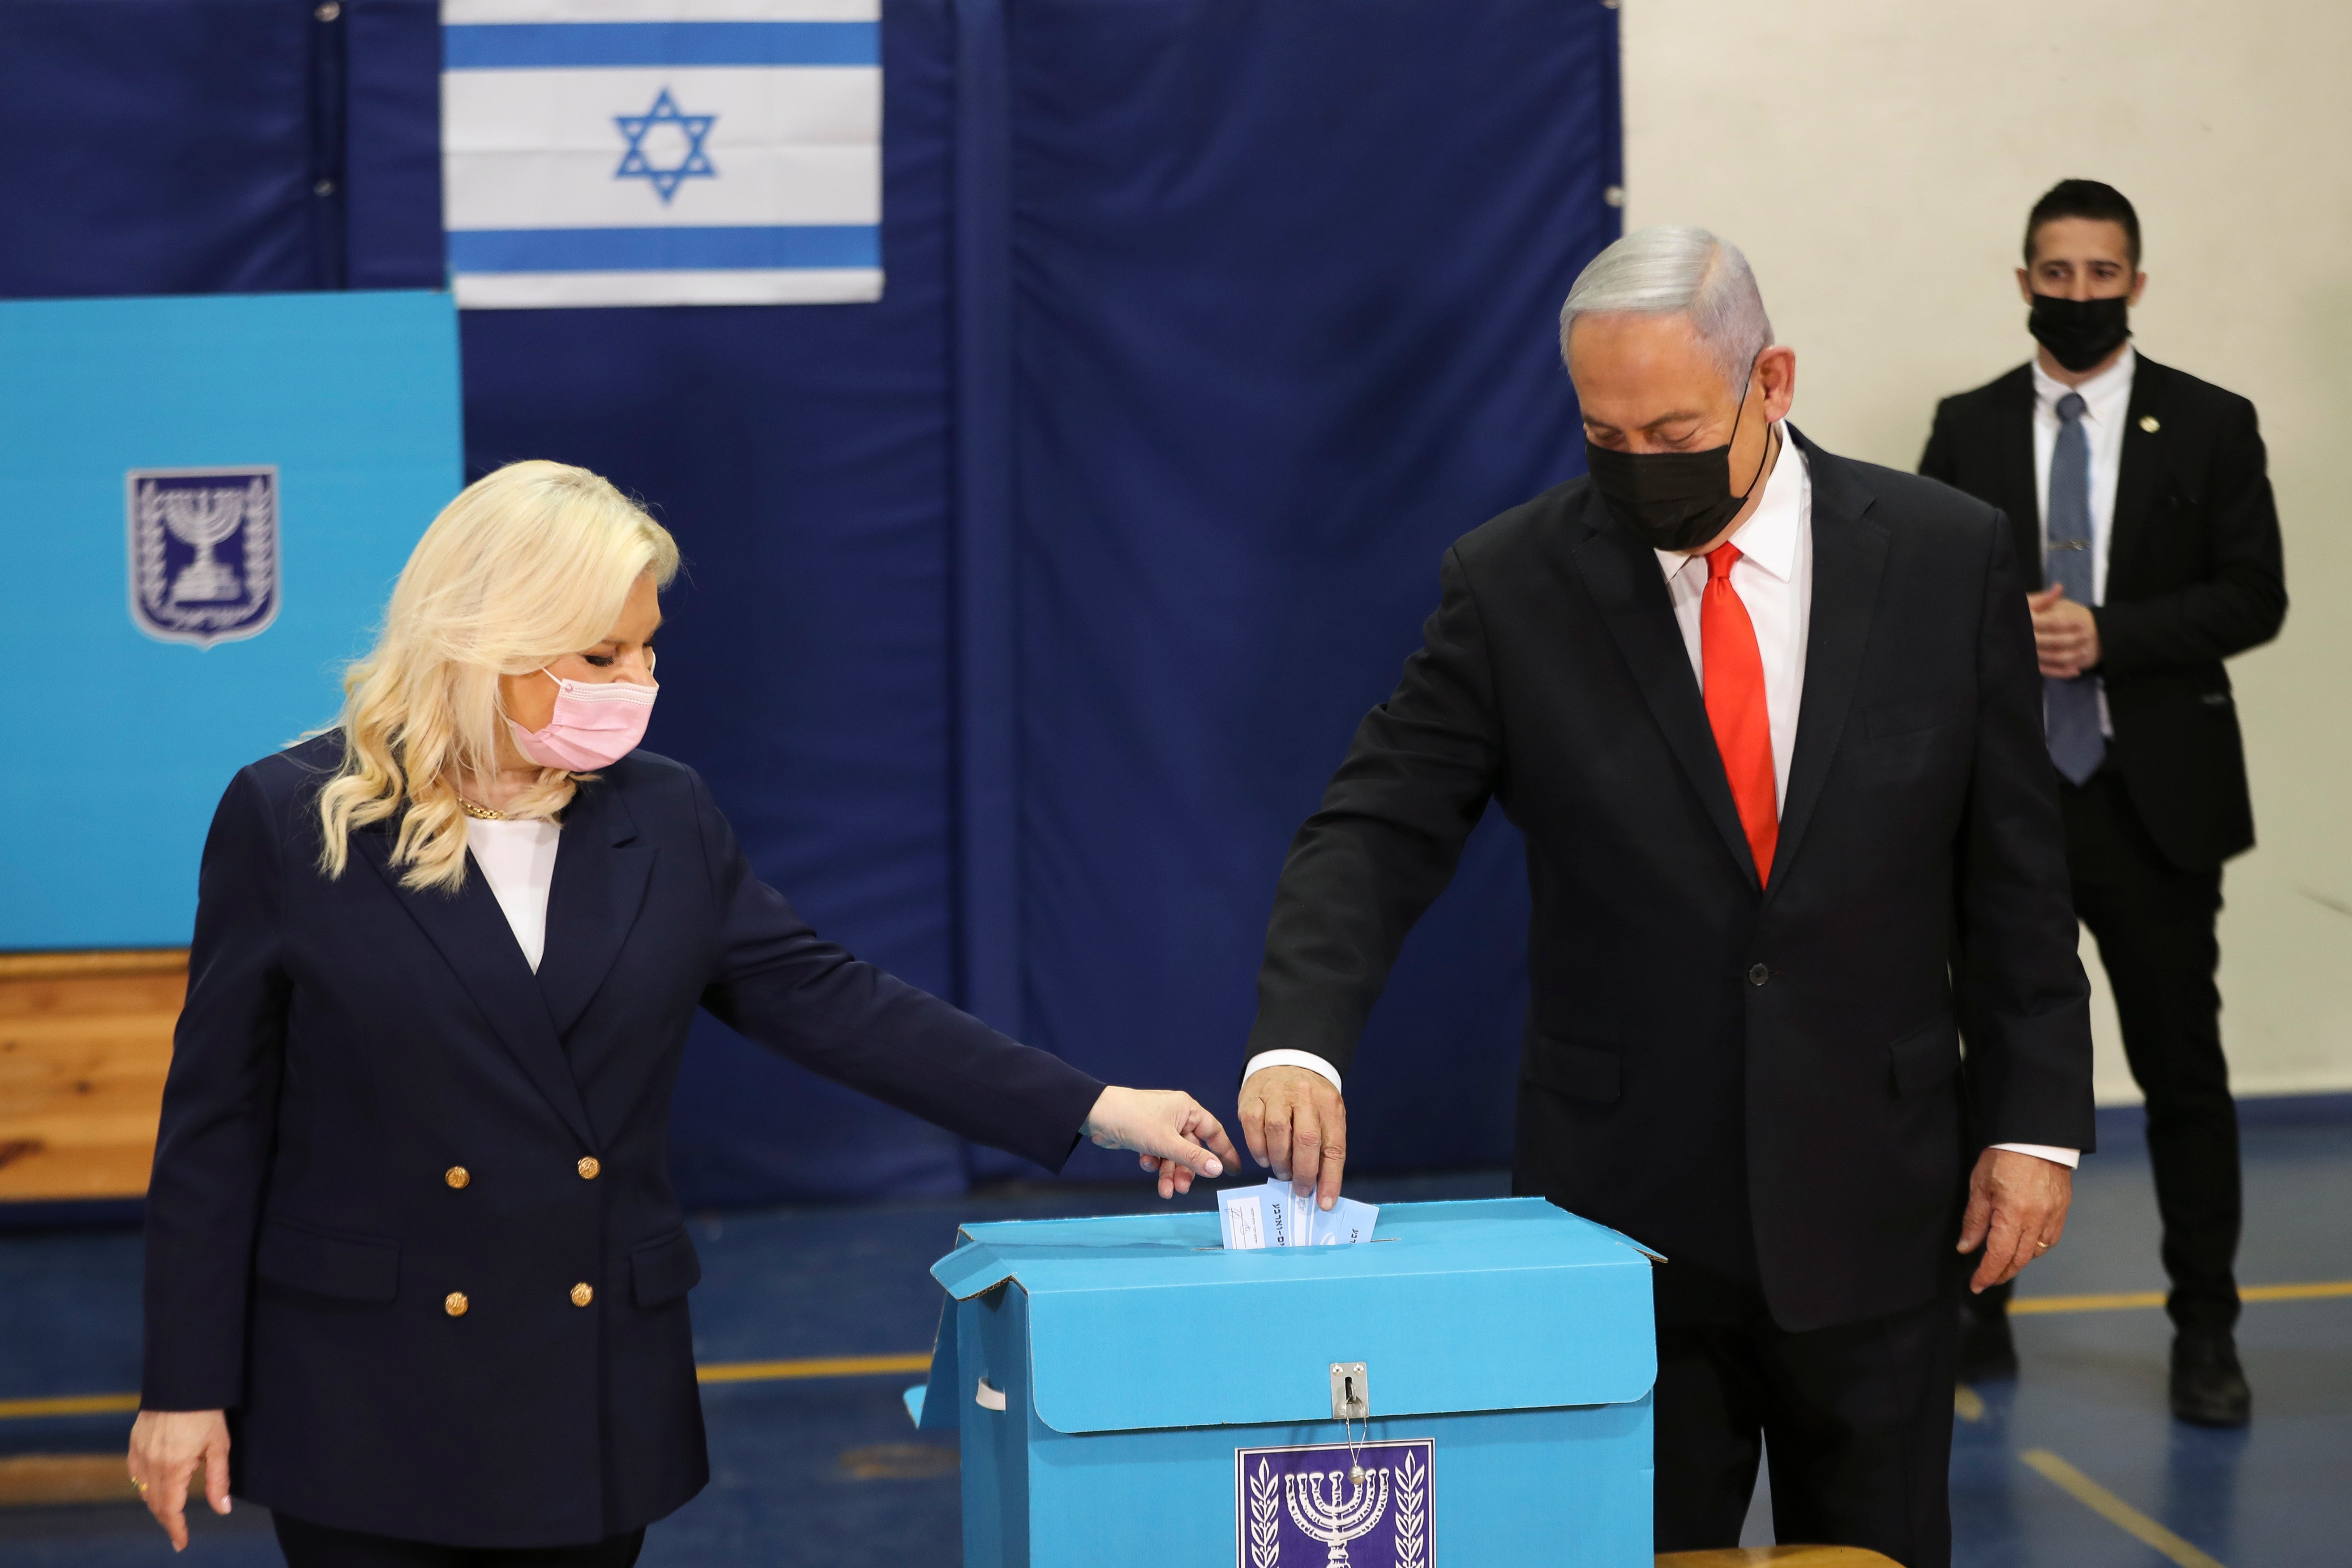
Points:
(415, 1279)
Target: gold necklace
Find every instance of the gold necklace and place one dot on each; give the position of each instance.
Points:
(482, 813)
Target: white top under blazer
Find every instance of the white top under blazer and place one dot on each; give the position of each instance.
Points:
(517, 859)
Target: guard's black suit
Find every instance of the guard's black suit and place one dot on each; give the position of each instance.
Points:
(2194, 576)
(1759, 1082)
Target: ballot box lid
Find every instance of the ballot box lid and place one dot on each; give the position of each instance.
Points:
(1144, 1321)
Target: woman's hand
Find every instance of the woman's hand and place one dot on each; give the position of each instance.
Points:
(166, 1447)
(1167, 1128)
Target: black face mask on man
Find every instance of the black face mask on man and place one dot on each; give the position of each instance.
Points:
(1675, 500)
(2079, 334)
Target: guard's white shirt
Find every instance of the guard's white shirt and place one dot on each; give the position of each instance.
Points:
(517, 860)
(2106, 399)
(1774, 579)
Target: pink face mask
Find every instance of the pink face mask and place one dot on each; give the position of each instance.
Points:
(592, 726)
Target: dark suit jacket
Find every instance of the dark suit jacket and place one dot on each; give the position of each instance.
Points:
(2194, 574)
(346, 1042)
(1757, 1082)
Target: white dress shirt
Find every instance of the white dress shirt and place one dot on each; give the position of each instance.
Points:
(2106, 399)
(517, 860)
(1774, 579)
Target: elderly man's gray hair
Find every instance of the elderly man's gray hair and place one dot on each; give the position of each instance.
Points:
(1678, 271)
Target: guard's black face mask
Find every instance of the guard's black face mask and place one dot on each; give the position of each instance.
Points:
(2079, 334)
(1675, 500)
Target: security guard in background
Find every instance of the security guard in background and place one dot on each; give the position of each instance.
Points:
(2140, 493)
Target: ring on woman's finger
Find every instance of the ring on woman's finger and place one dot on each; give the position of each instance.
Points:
(2043, 1245)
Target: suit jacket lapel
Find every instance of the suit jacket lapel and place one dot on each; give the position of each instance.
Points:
(1849, 555)
(473, 935)
(2142, 472)
(2021, 495)
(1623, 576)
(600, 884)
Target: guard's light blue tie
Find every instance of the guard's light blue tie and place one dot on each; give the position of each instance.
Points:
(2071, 708)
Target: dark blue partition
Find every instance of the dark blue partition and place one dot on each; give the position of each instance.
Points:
(1285, 299)
(159, 147)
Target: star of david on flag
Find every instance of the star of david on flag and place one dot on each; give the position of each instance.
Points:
(662, 152)
(663, 116)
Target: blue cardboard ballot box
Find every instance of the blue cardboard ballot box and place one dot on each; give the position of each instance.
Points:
(1472, 1387)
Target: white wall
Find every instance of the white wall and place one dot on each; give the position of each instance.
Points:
(1875, 160)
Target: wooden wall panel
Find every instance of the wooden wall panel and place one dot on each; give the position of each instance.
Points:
(85, 1041)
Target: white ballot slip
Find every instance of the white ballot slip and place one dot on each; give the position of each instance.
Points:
(1287, 1217)
(1241, 1214)
(1273, 1215)
(1348, 1223)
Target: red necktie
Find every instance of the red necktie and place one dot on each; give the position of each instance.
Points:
(1735, 705)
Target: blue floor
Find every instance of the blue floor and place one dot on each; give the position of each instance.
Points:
(827, 1472)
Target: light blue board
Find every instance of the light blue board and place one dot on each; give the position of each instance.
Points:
(115, 747)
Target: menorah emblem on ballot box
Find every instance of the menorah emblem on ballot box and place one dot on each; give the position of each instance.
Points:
(1306, 1501)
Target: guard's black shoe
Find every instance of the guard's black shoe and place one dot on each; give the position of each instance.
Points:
(2209, 1387)
(1988, 1355)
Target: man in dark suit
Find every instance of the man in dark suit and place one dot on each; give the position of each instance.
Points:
(2144, 521)
(1766, 717)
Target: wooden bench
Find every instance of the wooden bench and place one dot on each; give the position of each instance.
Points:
(85, 1042)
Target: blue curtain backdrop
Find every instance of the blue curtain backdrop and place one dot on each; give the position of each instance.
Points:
(1027, 610)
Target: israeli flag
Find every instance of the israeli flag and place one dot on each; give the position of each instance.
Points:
(662, 152)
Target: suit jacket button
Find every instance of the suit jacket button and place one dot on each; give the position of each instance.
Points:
(1757, 974)
(582, 1293)
(456, 1175)
(455, 1303)
(589, 1167)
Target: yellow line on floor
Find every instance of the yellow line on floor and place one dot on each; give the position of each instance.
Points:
(67, 1404)
(44, 1480)
(2115, 1511)
(819, 1366)
(2114, 1301)
(2123, 1300)
(2322, 1290)
(716, 1372)
(1966, 1403)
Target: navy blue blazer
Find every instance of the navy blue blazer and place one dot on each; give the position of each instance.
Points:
(411, 1220)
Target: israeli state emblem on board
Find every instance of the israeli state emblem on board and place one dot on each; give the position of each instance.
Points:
(1301, 1508)
(204, 552)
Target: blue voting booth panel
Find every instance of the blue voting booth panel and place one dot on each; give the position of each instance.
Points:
(1129, 1391)
(208, 501)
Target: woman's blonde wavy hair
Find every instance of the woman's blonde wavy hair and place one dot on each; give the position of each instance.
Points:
(529, 563)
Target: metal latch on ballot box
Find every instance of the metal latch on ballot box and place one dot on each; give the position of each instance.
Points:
(1351, 1392)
